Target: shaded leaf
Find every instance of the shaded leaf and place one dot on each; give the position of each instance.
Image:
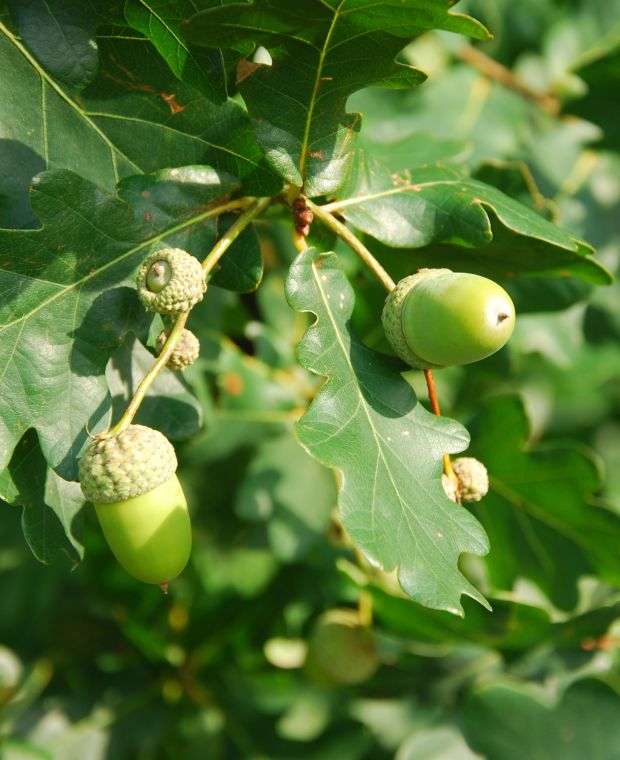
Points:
(160, 21)
(540, 505)
(68, 302)
(165, 197)
(585, 722)
(51, 518)
(367, 423)
(61, 34)
(169, 406)
(135, 102)
(299, 103)
(291, 493)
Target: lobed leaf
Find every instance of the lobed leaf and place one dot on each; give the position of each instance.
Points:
(322, 53)
(367, 423)
(434, 204)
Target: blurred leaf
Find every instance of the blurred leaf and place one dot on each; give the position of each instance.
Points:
(366, 422)
(291, 493)
(512, 626)
(510, 720)
(539, 505)
(437, 743)
(298, 103)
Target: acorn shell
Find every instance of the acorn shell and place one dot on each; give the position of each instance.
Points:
(150, 535)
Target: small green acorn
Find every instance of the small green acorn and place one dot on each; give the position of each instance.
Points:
(438, 318)
(472, 477)
(170, 281)
(341, 651)
(185, 353)
(130, 478)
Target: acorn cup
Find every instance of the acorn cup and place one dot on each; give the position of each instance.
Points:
(438, 318)
(130, 479)
(185, 353)
(170, 281)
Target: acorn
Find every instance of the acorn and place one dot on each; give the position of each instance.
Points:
(341, 651)
(473, 478)
(185, 352)
(130, 479)
(170, 281)
(438, 318)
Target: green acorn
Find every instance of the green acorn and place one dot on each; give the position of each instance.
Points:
(438, 318)
(341, 651)
(473, 478)
(130, 478)
(185, 353)
(171, 281)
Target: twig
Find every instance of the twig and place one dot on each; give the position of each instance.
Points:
(354, 243)
(504, 76)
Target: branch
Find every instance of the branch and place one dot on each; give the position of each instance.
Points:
(504, 76)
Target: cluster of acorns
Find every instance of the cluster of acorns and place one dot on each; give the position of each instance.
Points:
(130, 477)
(434, 318)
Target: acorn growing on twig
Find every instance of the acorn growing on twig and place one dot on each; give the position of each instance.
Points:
(170, 281)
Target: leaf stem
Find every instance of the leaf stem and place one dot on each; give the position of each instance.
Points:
(504, 76)
(231, 234)
(355, 244)
(150, 377)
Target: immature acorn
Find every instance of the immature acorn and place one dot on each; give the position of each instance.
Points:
(130, 478)
(341, 651)
(171, 281)
(438, 318)
(473, 478)
(185, 353)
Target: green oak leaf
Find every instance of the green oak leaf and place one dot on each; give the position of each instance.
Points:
(136, 116)
(61, 34)
(540, 505)
(431, 205)
(68, 302)
(511, 720)
(323, 51)
(51, 519)
(171, 194)
(160, 21)
(367, 423)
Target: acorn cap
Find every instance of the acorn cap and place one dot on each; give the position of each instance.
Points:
(392, 318)
(128, 464)
(472, 477)
(185, 353)
(170, 281)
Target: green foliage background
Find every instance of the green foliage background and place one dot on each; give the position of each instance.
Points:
(94, 665)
